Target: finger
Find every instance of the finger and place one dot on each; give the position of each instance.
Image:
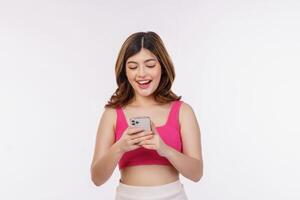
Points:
(144, 133)
(152, 124)
(140, 139)
(147, 142)
(134, 130)
(153, 127)
(148, 146)
(133, 147)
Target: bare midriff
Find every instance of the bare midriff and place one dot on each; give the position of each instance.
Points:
(149, 175)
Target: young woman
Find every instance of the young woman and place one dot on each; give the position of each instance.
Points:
(149, 161)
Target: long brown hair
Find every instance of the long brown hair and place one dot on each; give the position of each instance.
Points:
(132, 45)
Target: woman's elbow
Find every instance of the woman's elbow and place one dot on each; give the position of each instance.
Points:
(96, 183)
(95, 179)
(197, 178)
(199, 175)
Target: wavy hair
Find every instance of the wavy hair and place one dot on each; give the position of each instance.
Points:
(132, 45)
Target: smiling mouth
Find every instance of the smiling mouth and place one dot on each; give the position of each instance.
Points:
(144, 82)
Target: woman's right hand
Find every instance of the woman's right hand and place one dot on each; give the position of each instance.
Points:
(131, 138)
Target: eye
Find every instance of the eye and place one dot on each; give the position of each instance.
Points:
(132, 67)
(150, 66)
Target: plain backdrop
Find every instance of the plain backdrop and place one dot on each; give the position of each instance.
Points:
(237, 64)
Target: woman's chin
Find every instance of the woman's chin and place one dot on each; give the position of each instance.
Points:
(145, 93)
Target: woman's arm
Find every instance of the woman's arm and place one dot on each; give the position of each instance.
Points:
(189, 163)
(107, 154)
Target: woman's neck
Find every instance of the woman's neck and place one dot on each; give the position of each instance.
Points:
(141, 101)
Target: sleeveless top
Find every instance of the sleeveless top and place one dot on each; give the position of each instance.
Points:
(169, 133)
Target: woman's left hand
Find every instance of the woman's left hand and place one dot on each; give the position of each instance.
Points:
(155, 143)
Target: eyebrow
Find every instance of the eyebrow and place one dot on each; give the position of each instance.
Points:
(151, 59)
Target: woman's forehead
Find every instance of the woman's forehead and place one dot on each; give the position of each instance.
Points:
(142, 56)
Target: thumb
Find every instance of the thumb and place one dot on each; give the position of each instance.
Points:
(153, 128)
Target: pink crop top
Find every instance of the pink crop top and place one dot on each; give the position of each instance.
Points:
(169, 132)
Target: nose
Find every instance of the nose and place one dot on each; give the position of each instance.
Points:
(141, 71)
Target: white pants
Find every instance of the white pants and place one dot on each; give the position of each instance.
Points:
(170, 191)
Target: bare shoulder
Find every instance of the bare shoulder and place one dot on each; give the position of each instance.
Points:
(109, 116)
(185, 106)
(185, 111)
(109, 112)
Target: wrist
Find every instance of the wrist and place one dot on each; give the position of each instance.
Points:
(117, 149)
(167, 152)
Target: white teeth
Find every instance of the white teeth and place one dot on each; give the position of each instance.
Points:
(143, 82)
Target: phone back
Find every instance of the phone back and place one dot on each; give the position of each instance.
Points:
(140, 122)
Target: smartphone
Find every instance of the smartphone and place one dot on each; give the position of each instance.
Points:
(141, 122)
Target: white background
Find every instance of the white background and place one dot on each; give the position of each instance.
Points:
(237, 65)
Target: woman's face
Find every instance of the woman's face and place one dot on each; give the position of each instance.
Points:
(143, 72)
